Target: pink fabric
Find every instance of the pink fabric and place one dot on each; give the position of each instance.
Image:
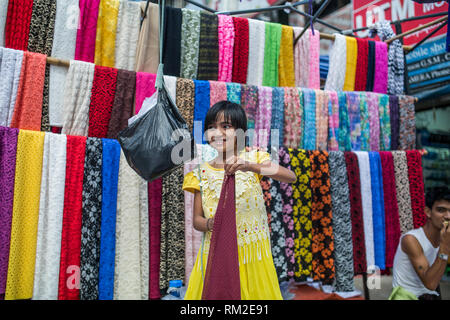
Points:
(87, 30)
(222, 279)
(374, 120)
(263, 117)
(333, 121)
(226, 47)
(321, 120)
(380, 79)
(154, 214)
(314, 60)
(145, 88)
(218, 92)
(301, 59)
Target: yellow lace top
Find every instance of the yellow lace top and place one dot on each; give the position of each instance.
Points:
(251, 216)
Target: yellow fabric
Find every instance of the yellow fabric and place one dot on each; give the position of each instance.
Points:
(352, 55)
(400, 293)
(286, 74)
(22, 252)
(257, 271)
(105, 42)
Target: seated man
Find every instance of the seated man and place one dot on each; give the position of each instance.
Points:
(421, 257)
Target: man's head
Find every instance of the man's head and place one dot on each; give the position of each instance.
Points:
(437, 206)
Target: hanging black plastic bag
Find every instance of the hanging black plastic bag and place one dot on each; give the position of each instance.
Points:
(159, 141)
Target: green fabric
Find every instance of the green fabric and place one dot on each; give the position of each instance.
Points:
(400, 293)
(271, 54)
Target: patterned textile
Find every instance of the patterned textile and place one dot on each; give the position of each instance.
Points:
(395, 121)
(338, 63)
(226, 46)
(374, 120)
(365, 122)
(302, 58)
(286, 73)
(17, 25)
(241, 50)
(277, 115)
(416, 187)
(353, 107)
(256, 47)
(208, 57)
(361, 64)
(87, 31)
(403, 191)
(105, 40)
(234, 92)
(128, 28)
(190, 37)
(321, 120)
(309, 135)
(186, 100)
(345, 143)
(385, 122)
(380, 77)
(293, 118)
(333, 121)
(263, 118)
(249, 101)
(271, 54)
(217, 92)
(154, 205)
(407, 139)
(314, 60)
(10, 70)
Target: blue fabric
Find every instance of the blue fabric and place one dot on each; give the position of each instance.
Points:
(309, 137)
(365, 124)
(278, 112)
(344, 141)
(110, 176)
(201, 107)
(378, 209)
(234, 92)
(354, 119)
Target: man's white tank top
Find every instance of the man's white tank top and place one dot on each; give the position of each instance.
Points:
(404, 274)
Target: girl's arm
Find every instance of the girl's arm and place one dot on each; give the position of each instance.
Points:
(200, 222)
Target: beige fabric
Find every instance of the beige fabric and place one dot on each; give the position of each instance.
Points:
(147, 54)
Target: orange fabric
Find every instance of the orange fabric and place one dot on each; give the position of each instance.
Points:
(28, 108)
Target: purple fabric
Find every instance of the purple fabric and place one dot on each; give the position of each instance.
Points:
(8, 145)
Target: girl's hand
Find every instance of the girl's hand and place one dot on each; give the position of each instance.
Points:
(234, 164)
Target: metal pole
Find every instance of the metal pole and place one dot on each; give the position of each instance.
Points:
(428, 36)
(317, 19)
(322, 7)
(280, 7)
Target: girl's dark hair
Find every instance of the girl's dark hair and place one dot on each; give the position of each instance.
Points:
(232, 112)
(436, 194)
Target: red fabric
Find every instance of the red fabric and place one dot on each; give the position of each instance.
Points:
(222, 280)
(102, 100)
(354, 185)
(416, 187)
(17, 27)
(392, 220)
(56, 129)
(362, 64)
(69, 277)
(154, 215)
(240, 61)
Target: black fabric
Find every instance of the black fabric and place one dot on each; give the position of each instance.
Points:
(172, 41)
(370, 66)
(208, 57)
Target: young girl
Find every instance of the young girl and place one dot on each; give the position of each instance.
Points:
(258, 278)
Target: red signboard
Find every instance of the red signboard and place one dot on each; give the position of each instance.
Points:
(368, 12)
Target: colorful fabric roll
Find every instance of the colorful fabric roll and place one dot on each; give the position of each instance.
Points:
(234, 92)
(361, 64)
(333, 121)
(407, 139)
(263, 117)
(226, 46)
(172, 41)
(185, 100)
(380, 77)
(122, 108)
(17, 25)
(301, 58)
(105, 40)
(353, 107)
(286, 73)
(145, 88)
(321, 120)
(309, 136)
(394, 113)
(218, 92)
(365, 122)
(51, 208)
(87, 31)
(241, 50)
(314, 60)
(110, 175)
(147, 56)
(10, 71)
(344, 140)
(402, 190)
(338, 64)
(28, 108)
(392, 223)
(256, 48)
(128, 25)
(352, 56)
(208, 57)
(25, 216)
(378, 210)
(374, 120)
(249, 101)
(202, 104)
(293, 115)
(69, 282)
(301, 212)
(385, 122)
(358, 239)
(190, 37)
(8, 145)
(416, 187)
(102, 100)
(277, 115)
(370, 65)
(154, 205)
(271, 54)
(342, 224)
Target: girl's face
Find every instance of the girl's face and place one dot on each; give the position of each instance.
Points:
(221, 135)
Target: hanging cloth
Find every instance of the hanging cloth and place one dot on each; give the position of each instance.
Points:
(407, 139)
(333, 121)
(105, 40)
(395, 121)
(64, 41)
(367, 210)
(51, 208)
(256, 54)
(416, 187)
(102, 100)
(250, 100)
(323, 268)
(226, 46)
(171, 86)
(385, 122)
(358, 239)
(234, 92)
(380, 77)
(344, 140)
(185, 100)
(202, 104)
(241, 50)
(338, 64)
(353, 107)
(122, 108)
(87, 30)
(77, 98)
(390, 207)
(342, 224)
(145, 88)
(378, 210)
(277, 125)
(286, 73)
(293, 115)
(24, 224)
(8, 147)
(271, 54)
(28, 108)
(314, 60)
(190, 37)
(321, 120)
(10, 71)
(361, 64)
(301, 58)
(154, 205)
(208, 57)
(127, 36)
(263, 118)
(374, 120)
(218, 92)
(302, 202)
(403, 192)
(172, 41)
(350, 71)
(309, 136)
(365, 122)
(370, 65)
(147, 56)
(110, 175)
(3, 15)
(17, 27)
